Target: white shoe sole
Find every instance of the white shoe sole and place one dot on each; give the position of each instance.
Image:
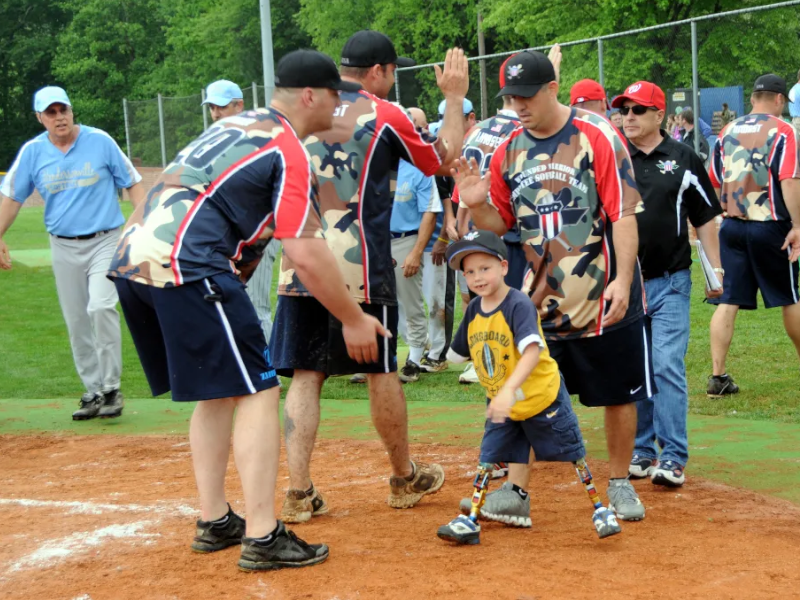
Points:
(667, 478)
(514, 521)
(623, 517)
(638, 473)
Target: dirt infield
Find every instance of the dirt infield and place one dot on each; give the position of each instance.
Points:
(104, 517)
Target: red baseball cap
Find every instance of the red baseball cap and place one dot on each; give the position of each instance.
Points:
(643, 93)
(587, 90)
(503, 71)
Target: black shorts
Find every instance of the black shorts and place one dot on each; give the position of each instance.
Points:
(610, 369)
(306, 336)
(753, 260)
(201, 340)
(517, 265)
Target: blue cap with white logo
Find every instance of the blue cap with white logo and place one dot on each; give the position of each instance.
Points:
(222, 93)
(49, 95)
(468, 108)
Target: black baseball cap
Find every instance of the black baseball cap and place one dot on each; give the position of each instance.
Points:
(770, 83)
(366, 48)
(525, 74)
(477, 240)
(309, 68)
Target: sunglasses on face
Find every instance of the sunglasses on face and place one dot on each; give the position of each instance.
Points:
(636, 109)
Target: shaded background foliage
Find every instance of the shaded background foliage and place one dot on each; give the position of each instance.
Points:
(104, 50)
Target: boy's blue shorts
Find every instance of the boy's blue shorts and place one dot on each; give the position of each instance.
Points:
(553, 434)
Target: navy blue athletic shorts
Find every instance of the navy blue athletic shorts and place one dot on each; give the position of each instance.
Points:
(753, 260)
(201, 340)
(307, 337)
(610, 369)
(553, 434)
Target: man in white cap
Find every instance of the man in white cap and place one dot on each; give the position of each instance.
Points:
(224, 99)
(77, 170)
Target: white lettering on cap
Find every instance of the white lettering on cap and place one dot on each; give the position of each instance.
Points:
(471, 235)
(581, 99)
(634, 88)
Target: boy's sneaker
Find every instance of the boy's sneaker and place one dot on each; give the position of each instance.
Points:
(90, 405)
(212, 536)
(720, 386)
(426, 479)
(624, 500)
(285, 550)
(504, 506)
(409, 373)
(499, 470)
(641, 466)
(359, 378)
(668, 473)
(469, 375)
(461, 531)
(299, 506)
(113, 402)
(430, 365)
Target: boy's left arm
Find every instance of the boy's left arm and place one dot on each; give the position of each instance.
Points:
(500, 407)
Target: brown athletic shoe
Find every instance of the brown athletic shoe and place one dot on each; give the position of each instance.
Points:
(299, 507)
(426, 479)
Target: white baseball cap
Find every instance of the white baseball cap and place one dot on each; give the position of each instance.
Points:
(222, 93)
(49, 95)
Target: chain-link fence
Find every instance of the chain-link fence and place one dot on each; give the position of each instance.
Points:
(157, 129)
(700, 63)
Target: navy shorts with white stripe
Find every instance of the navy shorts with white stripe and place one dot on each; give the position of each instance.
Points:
(201, 340)
(306, 337)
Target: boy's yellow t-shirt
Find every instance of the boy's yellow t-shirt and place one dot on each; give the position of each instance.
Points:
(495, 341)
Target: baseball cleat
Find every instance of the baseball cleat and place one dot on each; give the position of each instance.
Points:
(90, 404)
(460, 530)
(720, 386)
(113, 402)
(605, 522)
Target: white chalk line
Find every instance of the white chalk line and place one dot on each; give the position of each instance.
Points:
(96, 508)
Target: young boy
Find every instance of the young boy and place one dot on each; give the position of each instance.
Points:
(528, 403)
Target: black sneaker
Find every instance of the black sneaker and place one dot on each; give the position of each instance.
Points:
(113, 402)
(90, 405)
(430, 365)
(720, 386)
(285, 551)
(409, 373)
(218, 536)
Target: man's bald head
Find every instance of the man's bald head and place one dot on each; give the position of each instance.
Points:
(419, 118)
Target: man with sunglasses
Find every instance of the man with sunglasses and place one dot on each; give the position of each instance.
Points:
(675, 189)
(77, 170)
(565, 179)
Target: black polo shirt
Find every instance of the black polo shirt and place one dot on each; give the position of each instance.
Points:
(674, 186)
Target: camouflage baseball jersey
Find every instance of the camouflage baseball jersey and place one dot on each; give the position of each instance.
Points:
(564, 192)
(752, 155)
(246, 179)
(356, 162)
(480, 144)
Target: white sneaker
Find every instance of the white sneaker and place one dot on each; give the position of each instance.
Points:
(469, 375)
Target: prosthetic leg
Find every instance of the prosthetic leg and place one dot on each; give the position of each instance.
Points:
(605, 521)
(465, 529)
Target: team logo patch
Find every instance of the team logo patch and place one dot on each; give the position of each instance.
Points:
(490, 370)
(553, 214)
(667, 166)
(634, 88)
(514, 70)
(471, 235)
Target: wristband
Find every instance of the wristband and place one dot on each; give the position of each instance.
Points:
(443, 240)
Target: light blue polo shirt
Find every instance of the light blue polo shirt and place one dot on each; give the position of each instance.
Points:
(415, 195)
(79, 187)
(794, 101)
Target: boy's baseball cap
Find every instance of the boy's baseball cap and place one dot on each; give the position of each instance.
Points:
(587, 90)
(526, 74)
(309, 68)
(643, 93)
(477, 240)
(467, 107)
(770, 83)
(366, 48)
(222, 93)
(49, 95)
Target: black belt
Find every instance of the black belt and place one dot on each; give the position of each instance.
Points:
(88, 236)
(397, 236)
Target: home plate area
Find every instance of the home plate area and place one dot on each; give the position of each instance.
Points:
(110, 517)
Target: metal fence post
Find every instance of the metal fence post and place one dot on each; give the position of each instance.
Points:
(602, 78)
(481, 52)
(397, 88)
(204, 108)
(255, 95)
(127, 127)
(695, 90)
(161, 130)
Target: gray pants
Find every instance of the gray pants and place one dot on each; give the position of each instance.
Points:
(259, 287)
(89, 304)
(413, 323)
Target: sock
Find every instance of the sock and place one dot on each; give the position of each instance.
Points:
(267, 539)
(522, 493)
(415, 355)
